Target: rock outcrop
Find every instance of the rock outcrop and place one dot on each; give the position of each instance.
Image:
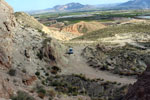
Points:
(22, 39)
(126, 60)
(52, 52)
(141, 89)
(7, 24)
(28, 80)
(19, 47)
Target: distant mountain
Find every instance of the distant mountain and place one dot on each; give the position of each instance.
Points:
(74, 7)
(131, 4)
(69, 6)
(136, 4)
(65, 8)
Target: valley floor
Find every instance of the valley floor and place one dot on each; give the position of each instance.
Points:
(77, 65)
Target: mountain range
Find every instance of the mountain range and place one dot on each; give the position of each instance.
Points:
(136, 4)
(66, 8)
(70, 6)
(132, 4)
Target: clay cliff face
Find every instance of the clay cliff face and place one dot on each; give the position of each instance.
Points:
(141, 89)
(7, 24)
(83, 27)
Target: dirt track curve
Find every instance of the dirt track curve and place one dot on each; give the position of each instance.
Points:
(77, 65)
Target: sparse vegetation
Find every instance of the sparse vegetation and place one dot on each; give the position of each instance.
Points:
(21, 95)
(55, 70)
(80, 85)
(41, 92)
(29, 53)
(103, 16)
(112, 30)
(28, 21)
(46, 41)
(122, 60)
(51, 93)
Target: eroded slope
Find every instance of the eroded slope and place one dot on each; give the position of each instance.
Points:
(83, 27)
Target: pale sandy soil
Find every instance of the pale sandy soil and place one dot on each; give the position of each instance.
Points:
(77, 65)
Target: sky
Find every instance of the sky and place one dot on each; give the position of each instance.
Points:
(28, 5)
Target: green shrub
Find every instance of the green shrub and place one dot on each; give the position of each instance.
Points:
(12, 72)
(22, 96)
(51, 94)
(40, 55)
(46, 74)
(41, 92)
(24, 71)
(37, 73)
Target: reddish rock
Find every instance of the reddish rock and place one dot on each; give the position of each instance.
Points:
(29, 80)
(83, 27)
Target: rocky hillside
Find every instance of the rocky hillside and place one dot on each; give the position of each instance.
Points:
(126, 60)
(36, 66)
(29, 21)
(140, 90)
(83, 27)
(24, 51)
(7, 24)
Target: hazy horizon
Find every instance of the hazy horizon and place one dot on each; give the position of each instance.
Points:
(28, 5)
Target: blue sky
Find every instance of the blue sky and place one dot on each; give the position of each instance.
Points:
(27, 5)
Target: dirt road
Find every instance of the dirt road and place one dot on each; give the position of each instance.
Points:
(77, 65)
